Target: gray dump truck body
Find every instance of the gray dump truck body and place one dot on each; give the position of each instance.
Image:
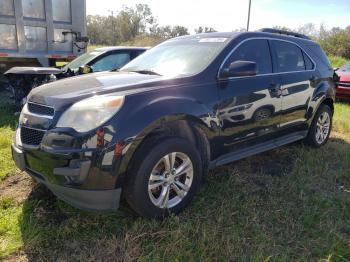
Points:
(40, 32)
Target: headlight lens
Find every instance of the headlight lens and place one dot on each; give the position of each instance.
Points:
(23, 112)
(90, 113)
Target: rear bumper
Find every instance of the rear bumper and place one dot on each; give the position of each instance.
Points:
(87, 199)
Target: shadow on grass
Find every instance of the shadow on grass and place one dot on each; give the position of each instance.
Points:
(291, 203)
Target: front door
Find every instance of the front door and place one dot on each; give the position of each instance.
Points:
(249, 107)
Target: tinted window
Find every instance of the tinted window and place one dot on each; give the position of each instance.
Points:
(82, 60)
(138, 52)
(257, 51)
(112, 61)
(308, 63)
(289, 57)
(322, 59)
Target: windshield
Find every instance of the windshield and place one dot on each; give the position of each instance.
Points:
(179, 57)
(345, 67)
(81, 60)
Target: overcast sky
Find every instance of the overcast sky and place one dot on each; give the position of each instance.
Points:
(227, 15)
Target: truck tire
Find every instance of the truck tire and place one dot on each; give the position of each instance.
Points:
(164, 177)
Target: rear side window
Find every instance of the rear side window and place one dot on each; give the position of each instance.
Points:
(289, 57)
(257, 51)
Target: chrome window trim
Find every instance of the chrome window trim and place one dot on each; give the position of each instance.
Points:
(268, 39)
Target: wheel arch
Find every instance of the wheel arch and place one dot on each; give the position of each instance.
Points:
(188, 127)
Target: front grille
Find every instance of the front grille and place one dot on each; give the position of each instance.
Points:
(41, 109)
(347, 84)
(31, 137)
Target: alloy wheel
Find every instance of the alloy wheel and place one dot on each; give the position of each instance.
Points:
(323, 127)
(170, 180)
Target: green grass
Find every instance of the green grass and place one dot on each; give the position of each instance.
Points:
(337, 61)
(7, 128)
(291, 203)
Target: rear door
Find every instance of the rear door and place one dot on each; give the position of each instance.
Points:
(297, 72)
(249, 106)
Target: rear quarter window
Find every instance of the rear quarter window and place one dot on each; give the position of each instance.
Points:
(309, 65)
(320, 54)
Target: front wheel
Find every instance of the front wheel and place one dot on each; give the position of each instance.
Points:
(321, 127)
(164, 177)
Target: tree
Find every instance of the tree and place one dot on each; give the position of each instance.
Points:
(200, 30)
(168, 31)
(309, 30)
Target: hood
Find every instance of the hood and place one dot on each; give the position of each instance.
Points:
(33, 71)
(72, 89)
(344, 76)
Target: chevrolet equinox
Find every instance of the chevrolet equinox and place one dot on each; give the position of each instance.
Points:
(151, 131)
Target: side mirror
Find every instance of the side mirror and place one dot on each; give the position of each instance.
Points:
(85, 70)
(240, 68)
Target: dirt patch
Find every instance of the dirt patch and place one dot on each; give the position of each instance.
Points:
(17, 187)
(17, 257)
(274, 163)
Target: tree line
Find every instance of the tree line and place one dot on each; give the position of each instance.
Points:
(138, 26)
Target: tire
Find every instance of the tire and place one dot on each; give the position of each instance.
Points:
(144, 192)
(313, 138)
(262, 114)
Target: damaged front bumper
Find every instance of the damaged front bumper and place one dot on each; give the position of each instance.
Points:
(72, 180)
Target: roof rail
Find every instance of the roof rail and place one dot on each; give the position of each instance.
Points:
(283, 32)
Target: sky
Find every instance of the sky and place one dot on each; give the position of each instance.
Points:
(228, 15)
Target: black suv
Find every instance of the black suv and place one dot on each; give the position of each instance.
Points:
(151, 131)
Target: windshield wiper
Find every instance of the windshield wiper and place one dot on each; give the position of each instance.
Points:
(146, 72)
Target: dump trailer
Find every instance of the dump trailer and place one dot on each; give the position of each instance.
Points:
(41, 32)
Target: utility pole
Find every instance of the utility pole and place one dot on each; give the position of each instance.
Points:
(113, 27)
(250, 4)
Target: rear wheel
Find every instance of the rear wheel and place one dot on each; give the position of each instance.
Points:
(164, 177)
(321, 127)
(261, 114)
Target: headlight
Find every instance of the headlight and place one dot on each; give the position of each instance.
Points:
(90, 113)
(23, 112)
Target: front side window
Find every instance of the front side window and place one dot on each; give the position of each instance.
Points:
(111, 62)
(82, 60)
(257, 51)
(289, 57)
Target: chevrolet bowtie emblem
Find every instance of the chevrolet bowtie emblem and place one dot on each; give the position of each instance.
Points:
(25, 120)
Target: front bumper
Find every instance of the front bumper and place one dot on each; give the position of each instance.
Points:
(343, 92)
(87, 199)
